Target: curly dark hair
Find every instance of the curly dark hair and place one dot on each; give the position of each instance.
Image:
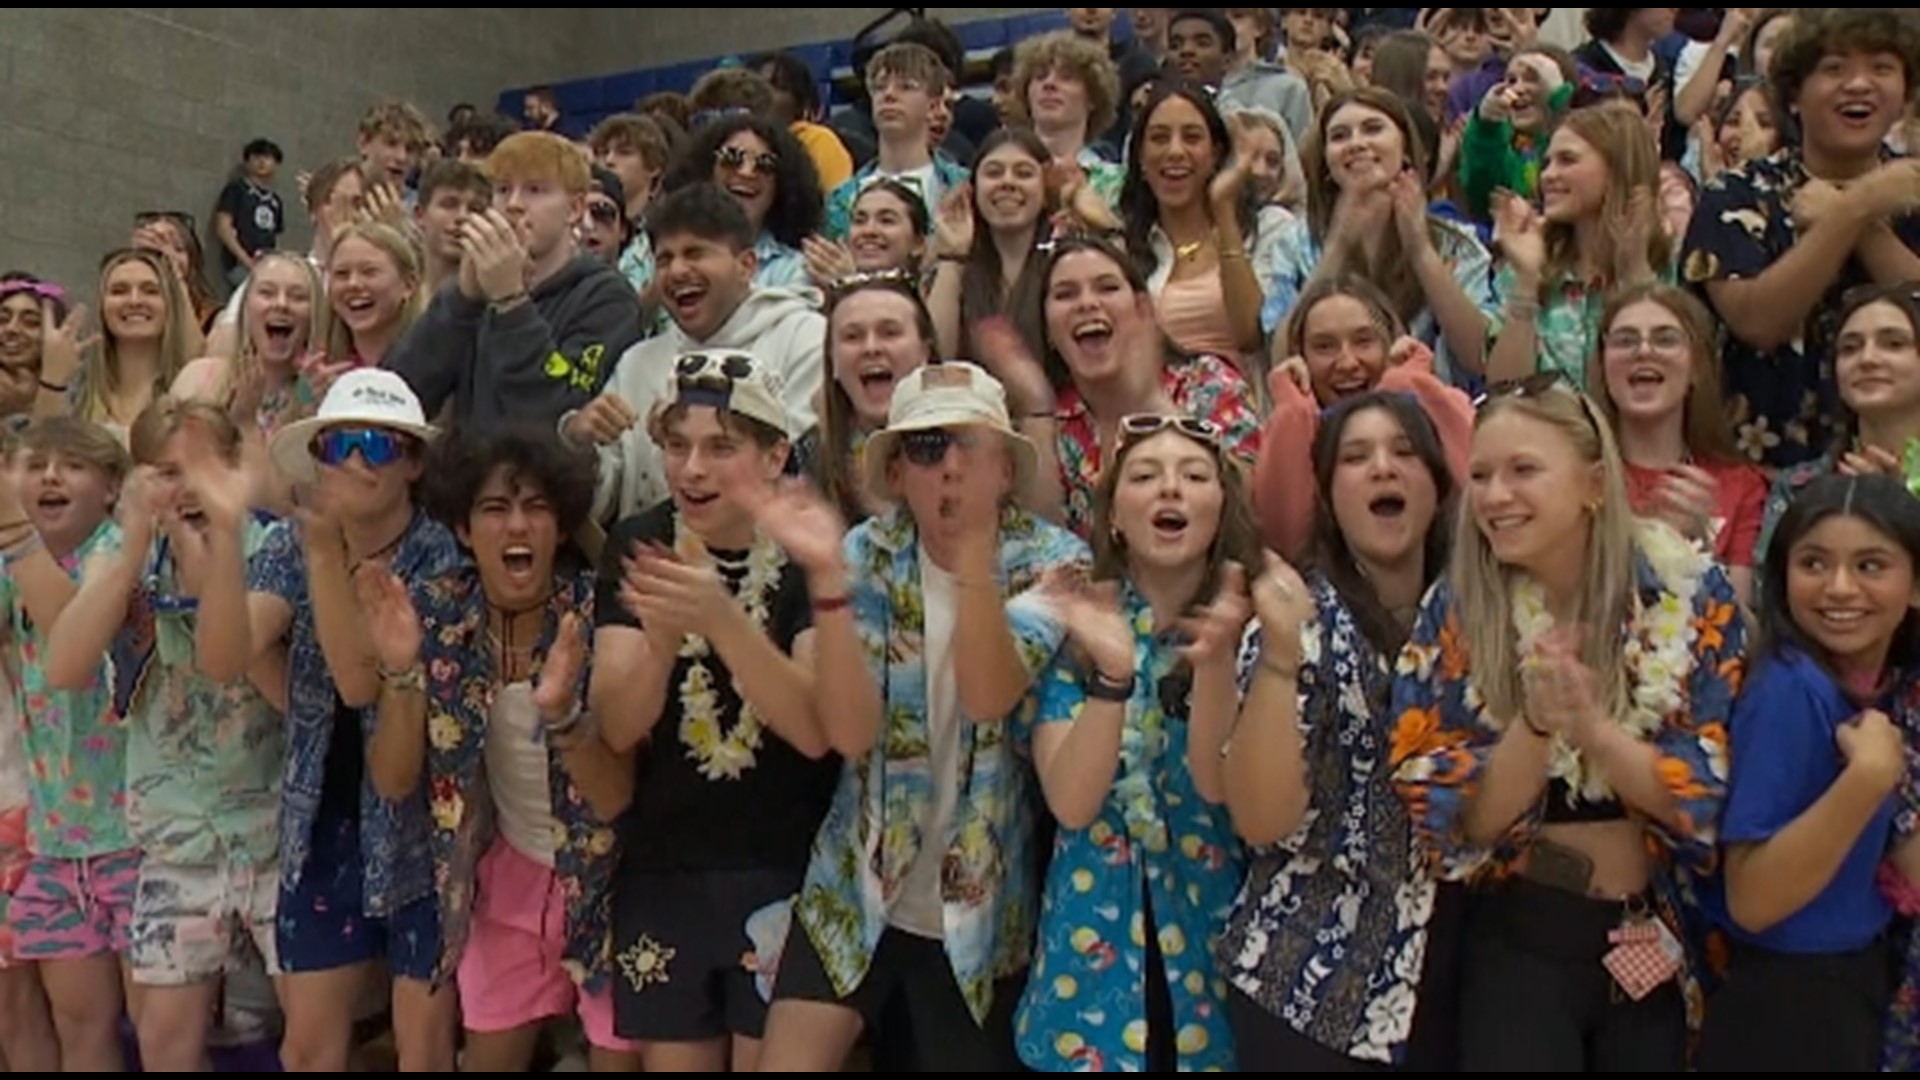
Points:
(797, 199)
(459, 467)
(1817, 33)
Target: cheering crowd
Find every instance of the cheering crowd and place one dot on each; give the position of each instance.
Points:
(1278, 543)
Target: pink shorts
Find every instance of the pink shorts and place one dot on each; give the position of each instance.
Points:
(73, 909)
(14, 859)
(511, 973)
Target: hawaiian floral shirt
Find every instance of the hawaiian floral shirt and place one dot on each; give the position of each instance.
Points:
(393, 836)
(1085, 1003)
(1568, 326)
(460, 690)
(873, 831)
(1784, 402)
(1330, 934)
(1206, 387)
(1443, 740)
(203, 758)
(75, 741)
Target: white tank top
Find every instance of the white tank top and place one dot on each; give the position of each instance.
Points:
(517, 772)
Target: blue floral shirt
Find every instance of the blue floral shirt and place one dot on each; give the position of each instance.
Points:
(1443, 739)
(397, 859)
(1085, 1003)
(461, 687)
(1330, 934)
(873, 831)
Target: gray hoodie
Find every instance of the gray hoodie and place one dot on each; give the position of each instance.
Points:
(1261, 85)
(779, 327)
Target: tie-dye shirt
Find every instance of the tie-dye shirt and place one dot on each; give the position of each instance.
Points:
(75, 740)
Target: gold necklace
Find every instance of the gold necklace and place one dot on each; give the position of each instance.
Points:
(1189, 252)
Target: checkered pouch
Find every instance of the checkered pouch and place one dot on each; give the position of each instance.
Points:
(1644, 958)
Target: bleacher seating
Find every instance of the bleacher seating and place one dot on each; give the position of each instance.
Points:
(586, 102)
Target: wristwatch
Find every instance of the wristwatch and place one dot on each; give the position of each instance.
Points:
(1100, 688)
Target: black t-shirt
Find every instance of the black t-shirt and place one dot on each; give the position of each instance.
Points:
(680, 819)
(346, 763)
(258, 217)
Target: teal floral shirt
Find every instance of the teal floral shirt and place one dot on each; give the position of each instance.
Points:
(874, 829)
(203, 758)
(1568, 326)
(75, 741)
(461, 685)
(1085, 1003)
(948, 174)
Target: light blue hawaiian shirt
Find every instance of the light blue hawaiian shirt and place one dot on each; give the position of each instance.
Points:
(873, 832)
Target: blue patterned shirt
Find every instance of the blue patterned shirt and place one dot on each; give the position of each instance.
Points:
(394, 848)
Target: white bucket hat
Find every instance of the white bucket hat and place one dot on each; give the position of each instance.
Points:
(948, 395)
(369, 397)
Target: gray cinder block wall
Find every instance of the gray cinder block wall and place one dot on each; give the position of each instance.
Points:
(110, 111)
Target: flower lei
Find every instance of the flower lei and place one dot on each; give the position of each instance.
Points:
(721, 754)
(1658, 654)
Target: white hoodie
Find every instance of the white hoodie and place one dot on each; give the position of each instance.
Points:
(781, 328)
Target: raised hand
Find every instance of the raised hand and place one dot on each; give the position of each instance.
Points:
(63, 343)
(1874, 748)
(1518, 232)
(1689, 497)
(500, 261)
(1872, 461)
(1213, 634)
(1284, 606)
(321, 373)
(1632, 229)
(602, 422)
(1410, 212)
(1095, 622)
(999, 348)
(805, 525)
(321, 532)
(558, 689)
(680, 591)
(392, 625)
(139, 505)
(953, 224)
(221, 486)
(1892, 189)
(1223, 191)
(383, 206)
(1081, 207)
(1562, 694)
(827, 261)
(1291, 371)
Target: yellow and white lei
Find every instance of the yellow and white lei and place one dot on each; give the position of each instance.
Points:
(1658, 655)
(720, 754)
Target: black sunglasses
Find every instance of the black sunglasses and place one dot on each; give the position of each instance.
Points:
(928, 448)
(1539, 385)
(737, 159)
(728, 367)
(603, 212)
(890, 278)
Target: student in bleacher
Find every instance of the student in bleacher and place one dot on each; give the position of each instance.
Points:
(903, 81)
(985, 244)
(373, 284)
(891, 227)
(604, 228)
(765, 169)
(1069, 92)
(704, 244)
(532, 326)
(451, 192)
(393, 136)
(796, 104)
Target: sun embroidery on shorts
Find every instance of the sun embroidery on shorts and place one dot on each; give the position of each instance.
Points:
(645, 963)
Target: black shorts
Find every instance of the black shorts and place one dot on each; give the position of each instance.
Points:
(1779, 1012)
(910, 998)
(687, 950)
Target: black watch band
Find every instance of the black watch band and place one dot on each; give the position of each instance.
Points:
(1100, 688)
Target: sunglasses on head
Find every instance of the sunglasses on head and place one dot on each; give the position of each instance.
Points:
(727, 367)
(892, 278)
(1536, 386)
(377, 447)
(737, 159)
(1147, 425)
(929, 448)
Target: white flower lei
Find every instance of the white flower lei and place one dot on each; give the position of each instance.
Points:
(723, 755)
(1658, 654)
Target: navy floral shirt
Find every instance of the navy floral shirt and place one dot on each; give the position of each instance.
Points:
(393, 836)
(1783, 402)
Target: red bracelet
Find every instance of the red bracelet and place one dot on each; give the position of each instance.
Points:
(827, 605)
(1904, 895)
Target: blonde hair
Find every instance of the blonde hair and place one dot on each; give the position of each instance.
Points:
(246, 357)
(405, 256)
(1064, 50)
(167, 415)
(81, 440)
(100, 372)
(1619, 135)
(1483, 586)
(1704, 428)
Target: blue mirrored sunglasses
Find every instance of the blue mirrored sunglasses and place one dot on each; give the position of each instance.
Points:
(376, 446)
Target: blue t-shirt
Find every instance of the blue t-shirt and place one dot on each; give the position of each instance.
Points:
(1784, 760)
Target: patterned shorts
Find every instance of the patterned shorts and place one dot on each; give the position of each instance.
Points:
(14, 860)
(193, 923)
(72, 909)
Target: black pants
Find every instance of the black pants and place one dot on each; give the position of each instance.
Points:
(912, 1006)
(1536, 997)
(1777, 1012)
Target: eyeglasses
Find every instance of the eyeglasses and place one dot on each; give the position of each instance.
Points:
(1666, 339)
(178, 217)
(377, 447)
(1147, 425)
(737, 160)
(725, 367)
(929, 447)
(603, 212)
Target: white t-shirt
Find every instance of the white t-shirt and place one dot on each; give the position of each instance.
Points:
(919, 909)
(517, 773)
(1639, 69)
